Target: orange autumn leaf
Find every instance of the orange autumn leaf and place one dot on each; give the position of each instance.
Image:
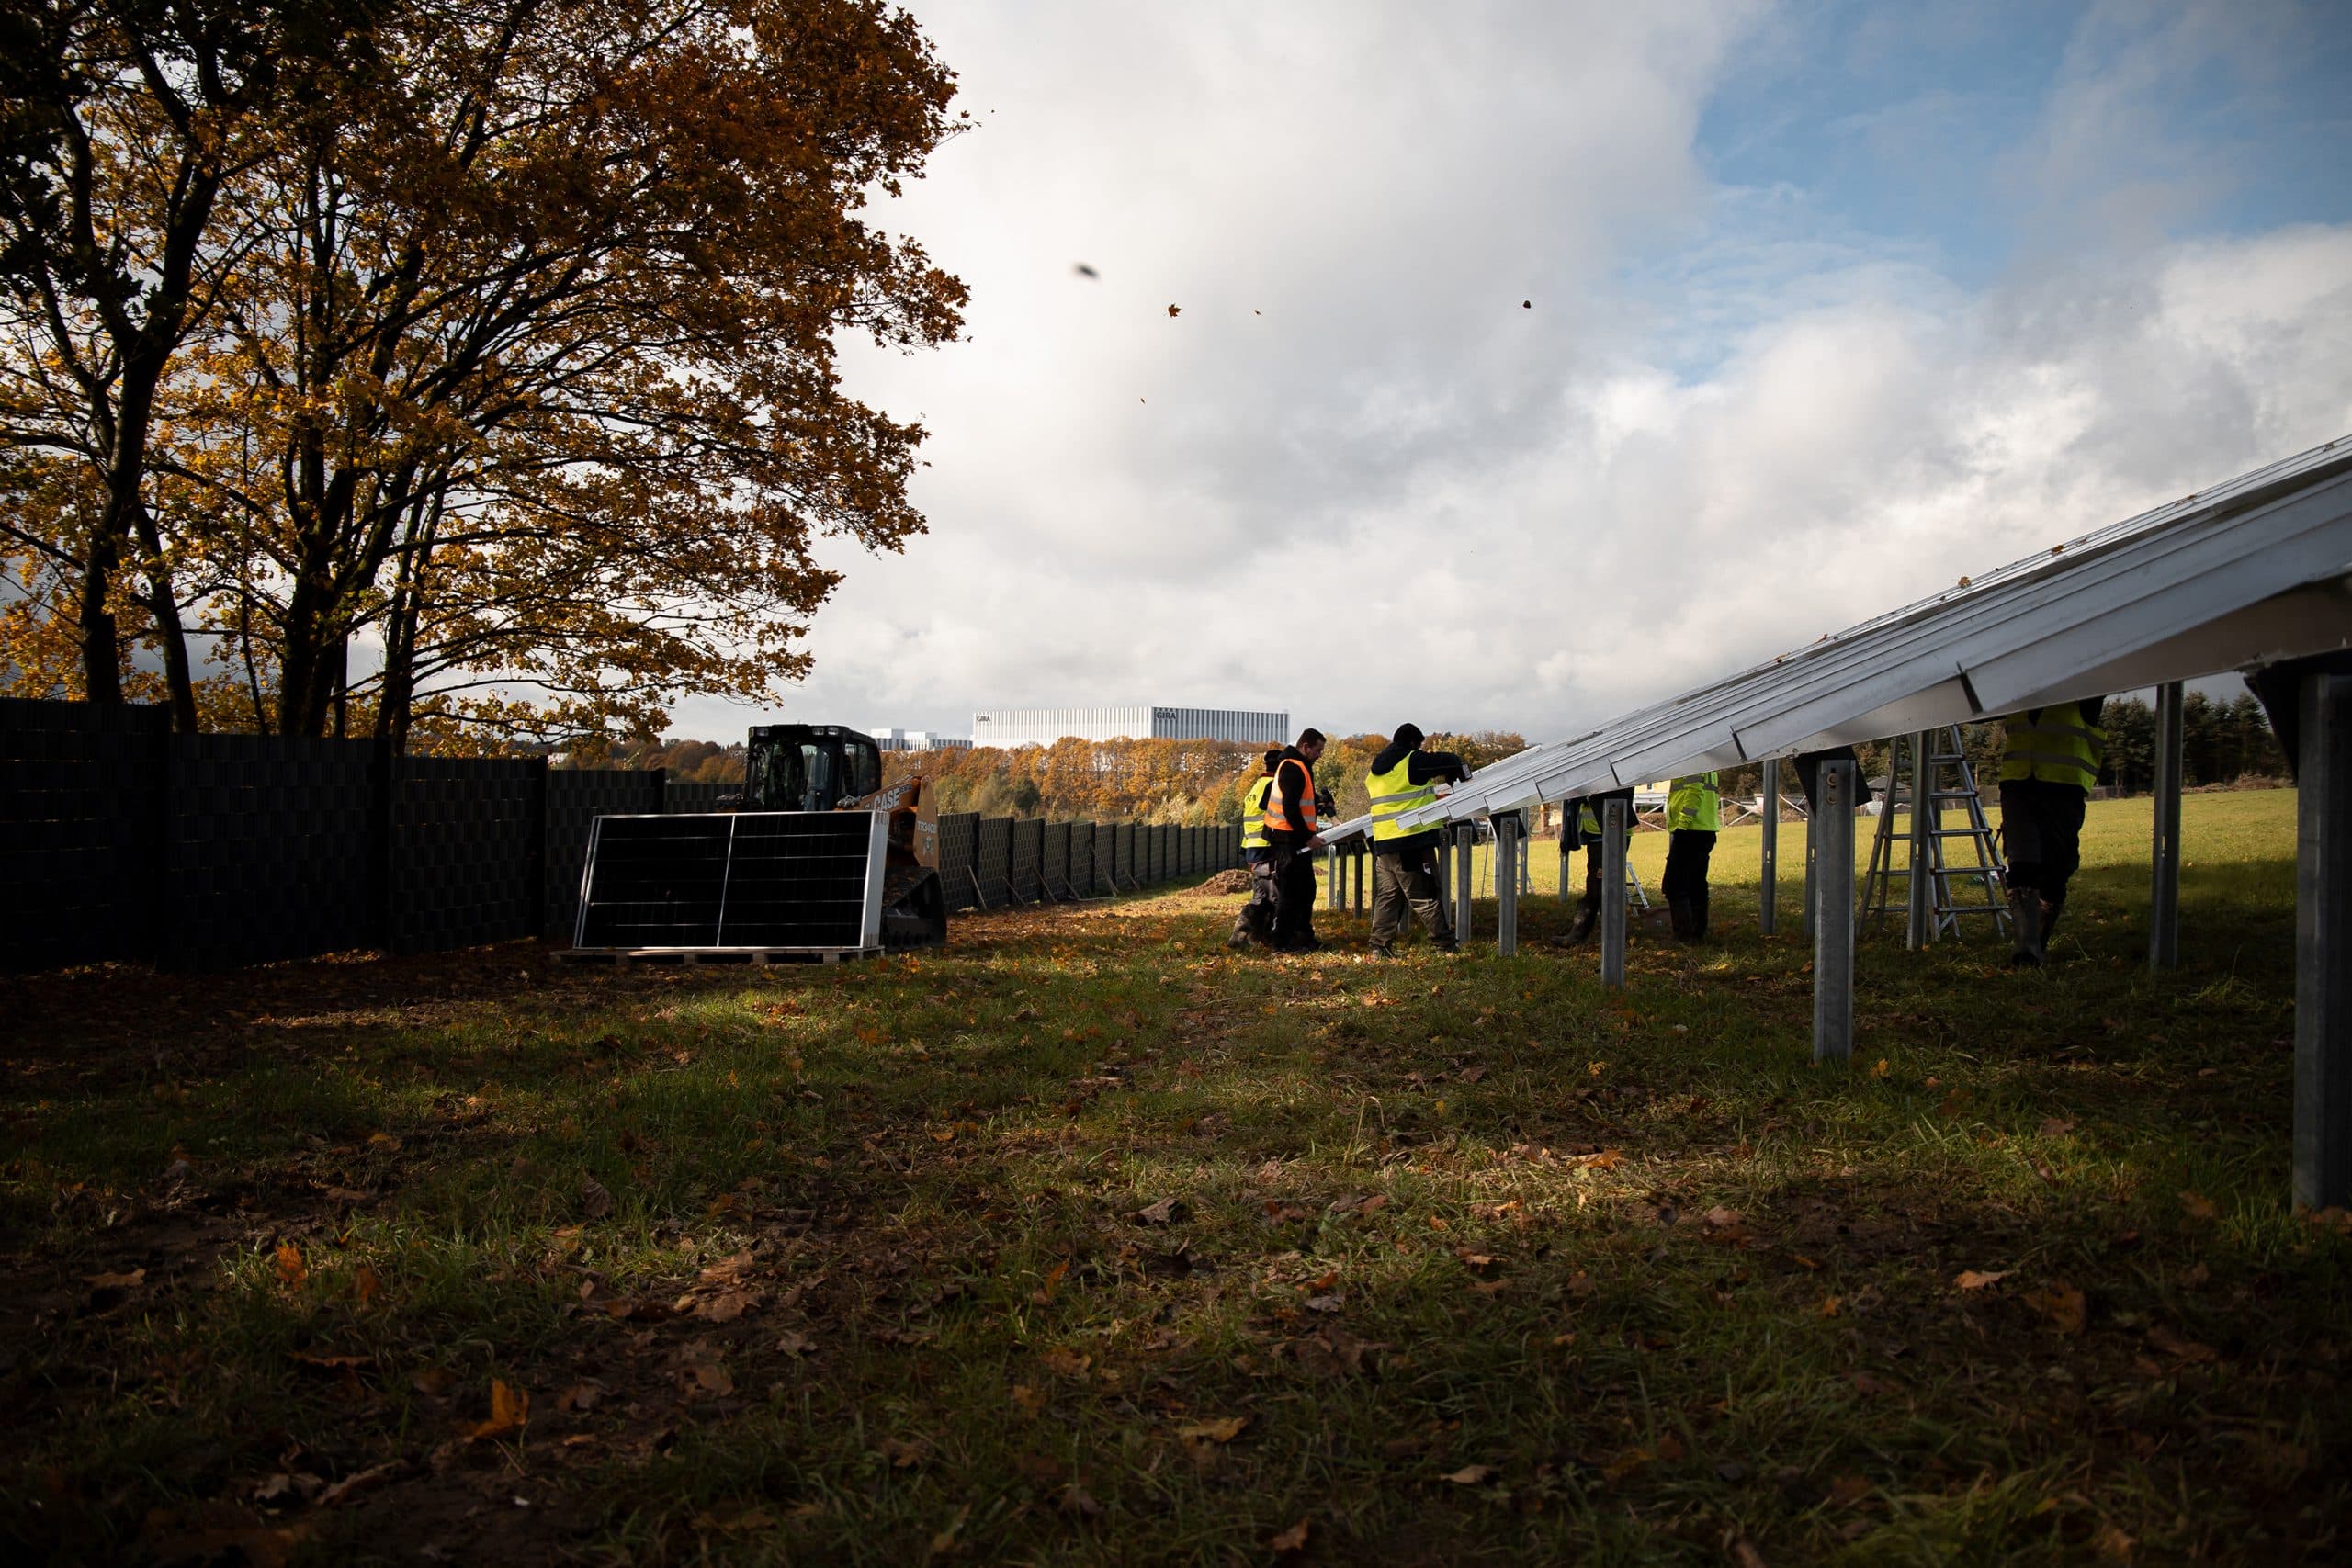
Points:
(509, 1408)
(291, 1271)
(1219, 1431)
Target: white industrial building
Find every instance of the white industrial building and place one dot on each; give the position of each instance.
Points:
(893, 740)
(1042, 727)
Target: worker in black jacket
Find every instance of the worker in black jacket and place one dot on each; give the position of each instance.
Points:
(1292, 812)
(1403, 777)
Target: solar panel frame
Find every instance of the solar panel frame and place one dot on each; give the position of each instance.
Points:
(764, 882)
(2257, 567)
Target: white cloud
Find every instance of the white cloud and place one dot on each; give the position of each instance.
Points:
(1395, 493)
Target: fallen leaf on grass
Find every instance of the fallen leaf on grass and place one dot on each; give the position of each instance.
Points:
(705, 1380)
(1625, 1464)
(1031, 1400)
(510, 1407)
(292, 1269)
(1078, 1501)
(2181, 1349)
(905, 1453)
(1845, 1491)
(1977, 1279)
(792, 1342)
(1219, 1431)
(432, 1382)
(1162, 1213)
(2197, 1206)
(1470, 1475)
(1470, 1075)
(1291, 1540)
(724, 1307)
(2063, 1304)
(1044, 1295)
(1064, 1362)
(384, 1143)
(1478, 1261)
(580, 1396)
(1743, 1550)
(595, 1201)
(116, 1282)
(2055, 1127)
(367, 1480)
(367, 1284)
(2113, 1542)
(326, 1363)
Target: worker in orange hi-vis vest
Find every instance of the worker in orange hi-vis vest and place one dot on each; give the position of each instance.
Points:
(1290, 820)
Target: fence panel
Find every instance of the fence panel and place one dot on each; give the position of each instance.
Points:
(81, 832)
(680, 797)
(994, 859)
(275, 848)
(1028, 844)
(1056, 858)
(958, 851)
(1082, 858)
(468, 851)
(1106, 857)
(576, 797)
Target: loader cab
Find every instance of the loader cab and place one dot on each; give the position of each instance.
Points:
(808, 767)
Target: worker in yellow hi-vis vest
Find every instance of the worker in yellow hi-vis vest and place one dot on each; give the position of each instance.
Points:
(1694, 815)
(1254, 921)
(2050, 758)
(1403, 777)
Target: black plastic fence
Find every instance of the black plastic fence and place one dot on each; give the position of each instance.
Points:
(121, 841)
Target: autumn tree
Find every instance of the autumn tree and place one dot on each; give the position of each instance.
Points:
(523, 367)
(559, 421)
(122, 122)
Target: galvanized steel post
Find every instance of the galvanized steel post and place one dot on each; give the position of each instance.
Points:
(1613, 894)
(1505, 886)
(1919, 924)
(1466, 844)
(2323, 936)
(1833, 913)
(1768, 907)
(1568, 850)
(1331, 877)
(2164, 892)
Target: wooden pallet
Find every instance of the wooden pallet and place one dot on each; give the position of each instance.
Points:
(675, 956)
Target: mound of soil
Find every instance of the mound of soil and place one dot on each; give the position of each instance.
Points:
(1237, 880)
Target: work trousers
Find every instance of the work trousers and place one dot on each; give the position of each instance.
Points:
(1686, 852)
(1594, 859)
(2041, 828)
(1402, 886)
(1294, 888)
(1255, 919)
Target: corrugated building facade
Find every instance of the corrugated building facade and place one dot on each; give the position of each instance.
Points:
(1042, 727)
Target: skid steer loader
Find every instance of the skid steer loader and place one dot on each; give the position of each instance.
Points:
(818, 860)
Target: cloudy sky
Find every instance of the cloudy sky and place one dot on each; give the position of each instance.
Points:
(1536, 361)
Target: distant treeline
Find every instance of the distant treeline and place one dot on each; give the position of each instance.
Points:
(1194, 781)
(1188, 782)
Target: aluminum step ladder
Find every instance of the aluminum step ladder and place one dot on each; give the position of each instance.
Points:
(1635, 897)
(1969, 881)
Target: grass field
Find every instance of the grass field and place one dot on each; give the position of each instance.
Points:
(1085, 1241)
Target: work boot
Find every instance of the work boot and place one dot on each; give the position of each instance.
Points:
(1699, 917)
(1580, 929)
(2025, 908)
(1382, 949)
(2050, 907)
(1677, 918)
